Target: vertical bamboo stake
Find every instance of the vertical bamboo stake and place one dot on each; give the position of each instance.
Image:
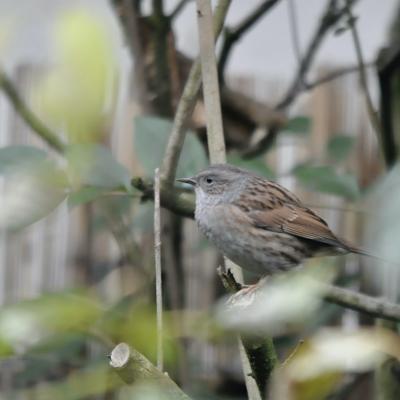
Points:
(215, 136)
(157, 255)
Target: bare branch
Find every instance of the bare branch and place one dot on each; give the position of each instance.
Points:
(232, 35)
(50, 137)
(212, 100)
(178, 201)
(131, 366)
(256, 356)
(157, 256)
(335, 75)
(375, 307)
(294, 29)
(178, 8)
(373, 116)
(187, 103)
(329, 18)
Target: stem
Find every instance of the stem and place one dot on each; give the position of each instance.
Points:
(233, 35)
(255, 357)
(157, 255)
(50, 137)
(373, 116)
(186, 105)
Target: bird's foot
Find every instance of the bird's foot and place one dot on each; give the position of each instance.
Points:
(246, 295)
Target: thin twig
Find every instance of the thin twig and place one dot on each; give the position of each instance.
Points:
(178, 8)
(232, 35)
(187, 103)
(373, 116)
(293, 353)
(330, 16)
(335, 75)
(157, 255)
(49, 136)
(294, 29)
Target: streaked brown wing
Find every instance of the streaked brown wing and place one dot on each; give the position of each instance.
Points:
(297, 221)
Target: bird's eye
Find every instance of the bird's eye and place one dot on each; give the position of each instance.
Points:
(209, 180)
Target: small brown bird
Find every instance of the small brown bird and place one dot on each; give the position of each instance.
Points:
(258, 224)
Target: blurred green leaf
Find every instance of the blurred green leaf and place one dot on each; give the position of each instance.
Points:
(26, 323)
(17, 156)
(150, 140)
(340, 146)
(93, 164)
(256, 165)
(33, 186)
(299, 125)
(133, 322)
(78, 91)
(85, 195)
(326, 180)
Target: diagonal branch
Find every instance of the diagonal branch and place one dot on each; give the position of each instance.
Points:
(178, 8)
(336, 74)
(187, 103)
(49, 136)
(232, 35)
(328, 20)
(373, 115)
(133, 367)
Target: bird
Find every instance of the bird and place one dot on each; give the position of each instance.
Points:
(257, 223)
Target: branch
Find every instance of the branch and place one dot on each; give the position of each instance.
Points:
(257, 355)
(260, 351)
(212, 100)
(373, 116)
(328, 20)
(331, 76)
(131, 366)
(178, 201)
(232, 35)
(186, 104)
(178, 8)
(363, 303)
(157, 256)
(50, 137)
(294, 30)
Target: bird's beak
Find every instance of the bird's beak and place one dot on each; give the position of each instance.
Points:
(189, 181)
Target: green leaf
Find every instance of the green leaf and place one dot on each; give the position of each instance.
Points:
(17, 156)
(299, 125)
(85, 195)
(150, 140)
(325, 179)
(339, 147)
(256, 165)
(33, 186)
(94, 165)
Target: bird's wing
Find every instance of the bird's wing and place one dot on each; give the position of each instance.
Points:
(297, 221)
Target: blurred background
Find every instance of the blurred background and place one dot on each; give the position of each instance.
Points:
(309, 94)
